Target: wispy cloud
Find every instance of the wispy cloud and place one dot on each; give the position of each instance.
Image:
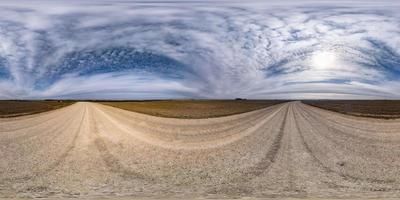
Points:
(199, 49)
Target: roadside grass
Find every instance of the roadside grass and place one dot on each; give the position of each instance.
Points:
(384, 109)
(192, 109)
(14, 108)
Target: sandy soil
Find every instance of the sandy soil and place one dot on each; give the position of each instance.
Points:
(288, 150)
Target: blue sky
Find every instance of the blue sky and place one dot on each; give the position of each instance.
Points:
(200, 49)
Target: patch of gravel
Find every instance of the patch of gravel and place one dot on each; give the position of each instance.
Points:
(89, 150)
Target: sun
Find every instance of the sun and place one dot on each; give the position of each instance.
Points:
(323, 60)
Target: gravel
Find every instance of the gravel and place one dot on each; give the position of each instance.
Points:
(89, 150)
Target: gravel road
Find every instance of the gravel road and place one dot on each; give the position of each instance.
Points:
(286, 150)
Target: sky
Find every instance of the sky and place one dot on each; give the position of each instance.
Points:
(107, 49)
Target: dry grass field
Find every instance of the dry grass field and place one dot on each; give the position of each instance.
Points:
(387, 109)
(193, 109)
(18, 108)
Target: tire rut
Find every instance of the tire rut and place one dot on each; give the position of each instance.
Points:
(23, 138)
(355, 137)
(112, 162)
(59, 115)
(344, 176)
(371, 143)
(317, 112)
(271, 155)
(58, 161)
(194, 133)
(288, 152)
(292, 186)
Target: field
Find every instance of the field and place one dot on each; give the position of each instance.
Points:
(193, 109)
(387, 109)
(18, 108)
(90, 150)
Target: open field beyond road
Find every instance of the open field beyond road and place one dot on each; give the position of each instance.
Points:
(386, 109)
(193, 109)
(18, 108)
(90, 150)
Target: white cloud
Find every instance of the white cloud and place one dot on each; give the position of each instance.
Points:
(131, 85)
(255, 49)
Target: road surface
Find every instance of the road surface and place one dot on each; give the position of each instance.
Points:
(291, 149)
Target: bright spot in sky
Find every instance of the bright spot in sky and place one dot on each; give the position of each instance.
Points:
(323, 60)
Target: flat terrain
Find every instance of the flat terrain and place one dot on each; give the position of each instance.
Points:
(18, 108)
(193, 109)
(286, 150)
(387, 109)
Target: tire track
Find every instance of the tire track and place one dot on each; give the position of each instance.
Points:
(190, 131)
(271, 155)
(58, 161)
(21, 139)
(310, 152)
(240, 183)
(292, 186)
(152, 140)
(327, 169)
(112, 162)
(355, 137)
(287, 151)
(35, 117)
(353, 180)
(369, 149)
(351, 120)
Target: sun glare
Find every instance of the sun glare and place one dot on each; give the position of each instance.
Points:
(323, 60)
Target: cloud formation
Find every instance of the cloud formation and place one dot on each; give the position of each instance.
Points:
(144, 50)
